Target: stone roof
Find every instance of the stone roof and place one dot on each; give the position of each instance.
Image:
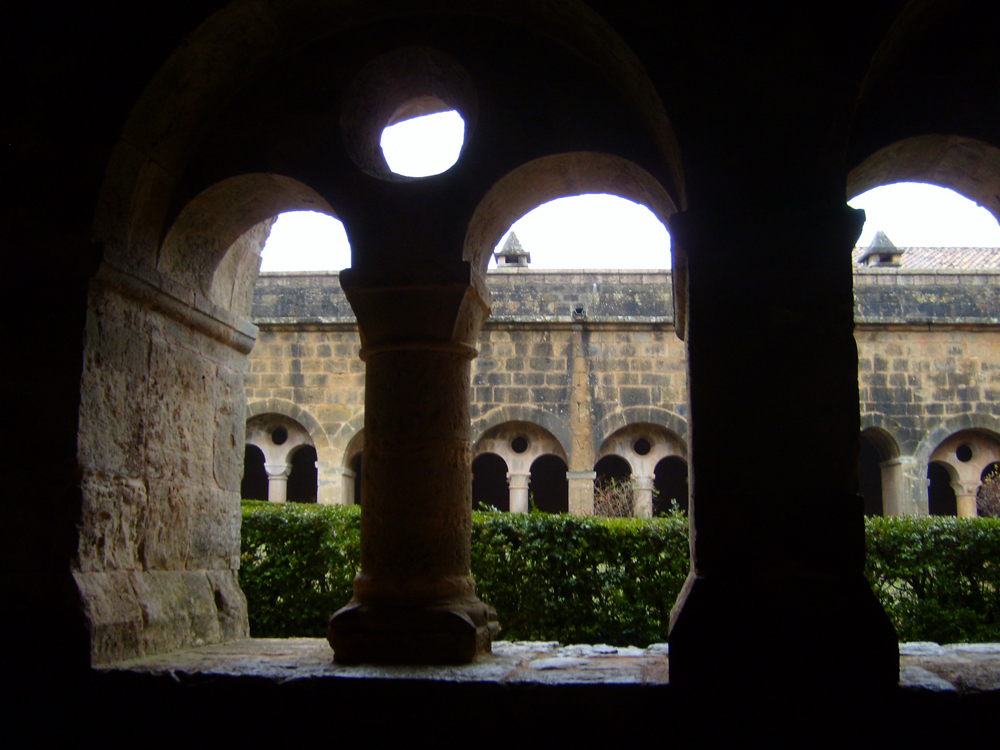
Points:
(970, 258)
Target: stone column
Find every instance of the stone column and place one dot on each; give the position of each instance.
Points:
(415, 600)
(965, 498)
(277, 481)
(777, 532)
(581, 492)
(642, 497)
(518, 484)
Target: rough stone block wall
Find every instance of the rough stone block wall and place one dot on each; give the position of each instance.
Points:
(585, 353)
(917, 379)
(162, 411)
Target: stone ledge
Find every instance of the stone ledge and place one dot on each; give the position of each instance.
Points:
(962, 669)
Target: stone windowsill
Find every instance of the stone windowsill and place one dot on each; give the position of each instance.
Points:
(955, 668)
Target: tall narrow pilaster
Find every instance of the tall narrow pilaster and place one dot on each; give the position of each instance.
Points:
(415, 600)
(776, 600)
(581, 417)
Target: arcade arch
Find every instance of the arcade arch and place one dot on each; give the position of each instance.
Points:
(965, 456)
(520, 445)
(879, 473)
(281, 439)
(352, 471)
(254, 483)
(489, 483)
(644, 446)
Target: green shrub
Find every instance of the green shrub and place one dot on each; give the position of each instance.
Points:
(580, 579)
(605, 580)
(297, 565)
(550, 577)
(938, 578)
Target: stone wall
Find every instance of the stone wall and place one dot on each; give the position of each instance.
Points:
(585, 355)
(160, 416)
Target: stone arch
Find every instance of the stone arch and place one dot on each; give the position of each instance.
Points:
(965, 455)
(342, 444)
(671, 483)
(499, 439)
(196, 248)
(294, 412)
(280, 438)
(489, 482)
(879, 484)
(551, 423)
(352, 468)
(966, 165)
(970, 421)
(652, 415)
(253, 486)
(558, 176)
(643, 445)
(520, 444)
(346, 447)
(548, 487)
(238, 44)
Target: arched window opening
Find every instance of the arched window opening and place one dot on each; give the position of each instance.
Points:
(919, 215)
(548, 486)
(302, 480)
(870, 477)
(587, 231)
(423, 137)
(670, 484)
(306, 241)
(489, 483)
(613, 491)
(941, 500)
(254, 483)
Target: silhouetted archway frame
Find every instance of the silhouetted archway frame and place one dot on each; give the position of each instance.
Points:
(181, 236)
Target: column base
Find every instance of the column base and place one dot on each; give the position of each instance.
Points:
(791, 636)
(450, 633)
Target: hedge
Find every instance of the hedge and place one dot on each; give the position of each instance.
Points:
(594, 580)
(938, 578)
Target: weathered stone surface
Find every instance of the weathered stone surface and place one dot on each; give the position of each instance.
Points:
(917, 678)
(159, 539)
(920, 648)
(581, 378)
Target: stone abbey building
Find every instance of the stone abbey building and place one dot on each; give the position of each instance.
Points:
(580, 375)
(147, 147)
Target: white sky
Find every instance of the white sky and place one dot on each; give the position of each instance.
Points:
(605, 231)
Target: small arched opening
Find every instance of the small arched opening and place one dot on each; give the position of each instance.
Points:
(670, 485)
(548, 486)
(941, 500)
(302, 479)
(489, 483)
(613, 491)
(870, 476)
(253, 486)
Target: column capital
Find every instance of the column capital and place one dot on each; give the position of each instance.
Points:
(517, 479)
(277, 470)
(437, 307)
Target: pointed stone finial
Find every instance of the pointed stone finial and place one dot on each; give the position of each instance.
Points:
(512, 254)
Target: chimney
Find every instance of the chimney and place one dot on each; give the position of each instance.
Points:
(512, 254)
(881, 253)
